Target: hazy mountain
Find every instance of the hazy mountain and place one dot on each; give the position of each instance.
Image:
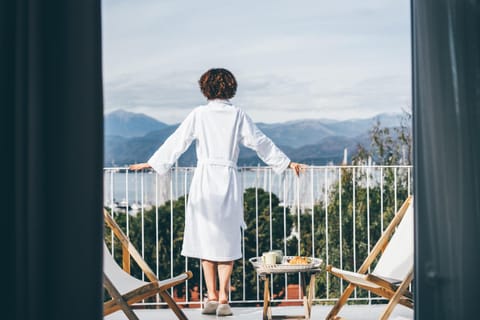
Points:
(128, 124)
(306, 132)
(315, 141)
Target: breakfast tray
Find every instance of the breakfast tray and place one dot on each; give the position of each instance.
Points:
(260, 267)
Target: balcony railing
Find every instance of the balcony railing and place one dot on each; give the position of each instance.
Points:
(335, 213)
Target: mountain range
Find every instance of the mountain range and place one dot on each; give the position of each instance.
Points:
(133, 137)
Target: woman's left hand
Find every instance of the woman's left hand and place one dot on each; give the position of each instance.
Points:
(139, 166)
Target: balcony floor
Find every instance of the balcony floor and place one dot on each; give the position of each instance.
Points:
(354, 312)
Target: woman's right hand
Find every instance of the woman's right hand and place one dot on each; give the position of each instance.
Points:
(139, 166)
(297, 167)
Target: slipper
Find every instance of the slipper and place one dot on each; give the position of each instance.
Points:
(210, 307)
(224, 310)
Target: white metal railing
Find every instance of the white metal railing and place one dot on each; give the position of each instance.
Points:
(337, 213)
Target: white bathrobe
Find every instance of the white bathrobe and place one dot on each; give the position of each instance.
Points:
(214, 213)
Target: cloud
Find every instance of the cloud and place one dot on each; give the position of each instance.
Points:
(318, 59)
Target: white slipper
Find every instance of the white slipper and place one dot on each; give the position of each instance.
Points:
(210, 307)
(224, 310)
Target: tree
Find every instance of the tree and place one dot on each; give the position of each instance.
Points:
(388, 146)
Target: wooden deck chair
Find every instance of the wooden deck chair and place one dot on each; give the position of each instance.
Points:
(393, 272)
(125, 289)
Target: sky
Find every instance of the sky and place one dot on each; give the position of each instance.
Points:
(304, 59)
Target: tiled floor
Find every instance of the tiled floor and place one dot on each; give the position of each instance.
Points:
(353, 312)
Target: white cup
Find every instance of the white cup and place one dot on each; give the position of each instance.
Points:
(269, 258)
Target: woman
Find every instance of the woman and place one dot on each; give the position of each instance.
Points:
(214, 213)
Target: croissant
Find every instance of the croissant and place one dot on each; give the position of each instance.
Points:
(298, 260)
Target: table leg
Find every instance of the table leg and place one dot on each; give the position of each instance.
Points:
(267, 312)
(311, 294)
(303, 287)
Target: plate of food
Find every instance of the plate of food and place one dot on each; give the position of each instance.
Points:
(288, 264)
(302, 261)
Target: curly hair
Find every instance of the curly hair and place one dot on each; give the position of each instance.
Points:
(218, 83)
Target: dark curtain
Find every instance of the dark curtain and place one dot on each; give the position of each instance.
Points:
(446, 68)
(52, 142)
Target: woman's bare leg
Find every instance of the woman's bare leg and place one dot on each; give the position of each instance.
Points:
(224, 273)
(210, 273)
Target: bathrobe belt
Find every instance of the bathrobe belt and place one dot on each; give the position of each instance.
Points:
(223, 163)
(217, 162)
